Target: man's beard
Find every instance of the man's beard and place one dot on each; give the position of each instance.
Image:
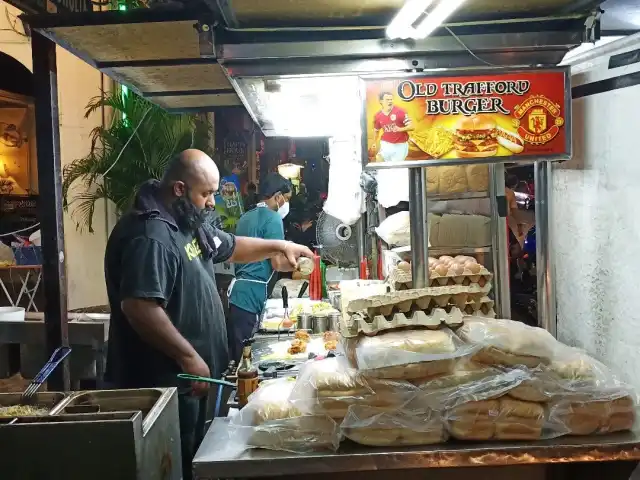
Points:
(188, 216)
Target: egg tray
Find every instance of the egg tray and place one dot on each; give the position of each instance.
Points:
(361, 323)
(419, 299)
(483, 308)
(402, 280)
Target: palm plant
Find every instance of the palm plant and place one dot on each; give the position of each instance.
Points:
(134, 148)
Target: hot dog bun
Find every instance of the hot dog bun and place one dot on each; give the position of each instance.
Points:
(510, 140)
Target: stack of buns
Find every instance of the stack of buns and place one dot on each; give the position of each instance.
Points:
(330, 386)
(408, 354)
(379, 427)
(490, 380)
(272, 422)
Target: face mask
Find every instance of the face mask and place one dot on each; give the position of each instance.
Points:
(283, 211)
(188, 216)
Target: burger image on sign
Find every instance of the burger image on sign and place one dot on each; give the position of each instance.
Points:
(476, 137)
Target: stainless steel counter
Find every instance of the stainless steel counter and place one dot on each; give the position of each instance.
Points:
(215, 459)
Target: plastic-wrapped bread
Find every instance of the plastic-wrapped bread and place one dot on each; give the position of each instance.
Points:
(593, 417)
(330, 386)
(409, 354)
(401, 427)
(508, 343)
(272, 422)
(501, 419)
(469, 383)
(433, 180)
(477, 177)
(452, 179)
(518, 420)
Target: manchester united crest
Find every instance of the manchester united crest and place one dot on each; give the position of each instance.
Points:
(538, 119)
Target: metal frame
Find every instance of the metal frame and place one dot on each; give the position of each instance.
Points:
(488, 160)
(51, 217)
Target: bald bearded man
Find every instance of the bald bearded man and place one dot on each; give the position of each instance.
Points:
(166, 314)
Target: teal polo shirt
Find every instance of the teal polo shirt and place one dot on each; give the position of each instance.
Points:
(261, 222)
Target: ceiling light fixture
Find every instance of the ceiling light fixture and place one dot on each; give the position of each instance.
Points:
(402, 26)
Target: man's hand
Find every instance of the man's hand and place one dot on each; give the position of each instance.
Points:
(293, 251)
(195, 365)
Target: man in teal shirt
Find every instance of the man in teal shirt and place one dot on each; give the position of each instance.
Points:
(248, 292)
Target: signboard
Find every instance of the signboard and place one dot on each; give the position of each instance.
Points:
(18, 212)
(474, 118)
(229, 202)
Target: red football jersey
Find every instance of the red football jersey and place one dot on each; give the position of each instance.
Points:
(397, 118)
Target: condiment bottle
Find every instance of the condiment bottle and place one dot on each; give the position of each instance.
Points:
(247, 375)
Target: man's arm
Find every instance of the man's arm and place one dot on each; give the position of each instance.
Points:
(284, 255)
(408, 125)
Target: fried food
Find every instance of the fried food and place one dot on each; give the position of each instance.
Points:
(22, 411)
(435, 141)
(302, 335)
(330, 345)
(329, 336)
(297, 346)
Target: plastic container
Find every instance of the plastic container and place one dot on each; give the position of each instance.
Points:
(12, 314)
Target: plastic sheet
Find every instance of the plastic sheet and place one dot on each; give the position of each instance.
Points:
(593, 417)
(330, 386)
(508, 343)
(272, 422)
(410, 355)
(467, 384)
(401, 427)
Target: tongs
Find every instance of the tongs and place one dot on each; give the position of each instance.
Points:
(220, 383)
(29, 395)
(285, 304)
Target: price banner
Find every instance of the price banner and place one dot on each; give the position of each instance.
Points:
(498, 117)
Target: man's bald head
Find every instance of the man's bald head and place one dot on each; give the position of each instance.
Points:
(193, 173)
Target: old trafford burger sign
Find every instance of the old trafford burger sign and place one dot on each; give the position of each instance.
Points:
(428, 120)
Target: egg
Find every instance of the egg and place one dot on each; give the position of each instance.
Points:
(287, 323)
(468, 264)
(404, 266)
(475, 268)
(432, 261)
(441, 270)
(446, 258)
(457, 269)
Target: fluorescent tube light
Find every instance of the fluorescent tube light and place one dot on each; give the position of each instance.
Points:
(400, 26)
(437, 17)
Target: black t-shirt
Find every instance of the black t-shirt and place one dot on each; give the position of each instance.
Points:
(148, 256)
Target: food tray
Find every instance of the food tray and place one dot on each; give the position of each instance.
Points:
(370, 326)
(483, 308)
(45, 400)
(402, 279)
(112, 401)
(419, 299)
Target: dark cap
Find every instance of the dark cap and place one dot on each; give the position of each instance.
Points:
(272, 184)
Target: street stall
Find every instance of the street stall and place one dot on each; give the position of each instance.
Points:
(411, 382)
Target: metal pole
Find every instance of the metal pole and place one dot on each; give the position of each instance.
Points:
(45, 79)
(499, 240)
(544, 266)
(419, 231)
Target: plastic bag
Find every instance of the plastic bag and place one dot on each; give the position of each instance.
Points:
(6, 255)
(395, 229)
(272, 422)
(380, 427)
(594, 417)
(410, 354)
(501, 419)
(330, 386)
(508, 343)
(468, 383)
(571, 374)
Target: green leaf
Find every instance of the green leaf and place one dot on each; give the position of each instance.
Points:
(137, 146)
